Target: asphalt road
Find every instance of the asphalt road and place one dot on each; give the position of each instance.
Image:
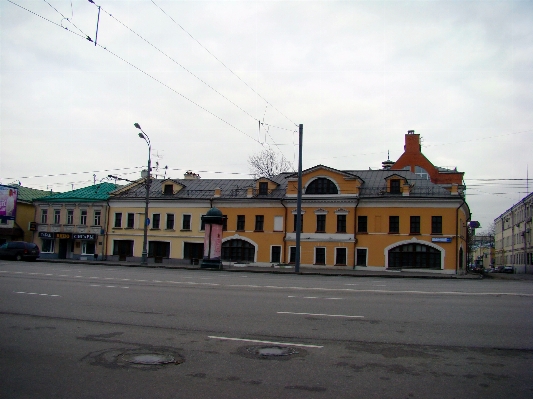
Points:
(82, 331)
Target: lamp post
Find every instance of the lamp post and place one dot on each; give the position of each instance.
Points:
(144, 136)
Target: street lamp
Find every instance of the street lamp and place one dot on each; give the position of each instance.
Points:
(145, 137)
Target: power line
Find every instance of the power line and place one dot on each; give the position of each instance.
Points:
(224, 65)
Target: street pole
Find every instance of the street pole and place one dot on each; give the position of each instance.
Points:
(299, 202)
(143, 135)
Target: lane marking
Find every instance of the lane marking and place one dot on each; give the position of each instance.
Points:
(321, 314)
(310, 297)
(331, 299)
(35, 293)
(265, 342)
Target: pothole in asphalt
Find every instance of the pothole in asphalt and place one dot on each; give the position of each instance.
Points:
(147, 358)
(275, 352)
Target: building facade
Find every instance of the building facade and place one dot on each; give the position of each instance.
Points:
(387, 219)
(71, 225)
(513, 241)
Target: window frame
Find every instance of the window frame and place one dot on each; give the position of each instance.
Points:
(169, 221)
(83, 217)
(241, 223)
(301, 222)
(279, 255)
(259, 223)
(341, 223)
(118, 220)
(394, 224)
(321, 223)
(57, 216)
(186, 222)
(341, 249)
(156, 221)
(70, 216)
(362, 222)
(414, 225)
(436, 225)
(44, 216)
(263, 188)
(395, 186)
(322, 255)
(130, 220)
(361, 260)
(97, 218)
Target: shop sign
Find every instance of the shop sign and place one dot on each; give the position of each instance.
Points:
(45, 234)
(63, 236)
(91, 237)
(441, 239)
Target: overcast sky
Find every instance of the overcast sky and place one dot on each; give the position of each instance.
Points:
(199, 75)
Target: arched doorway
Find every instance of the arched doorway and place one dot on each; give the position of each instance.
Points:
(237, 250)
(414, 256)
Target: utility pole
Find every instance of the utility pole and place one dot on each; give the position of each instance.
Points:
(299, 202)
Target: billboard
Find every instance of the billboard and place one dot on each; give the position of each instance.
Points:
(8, 202)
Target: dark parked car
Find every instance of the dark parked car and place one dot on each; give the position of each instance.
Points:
(19, 250)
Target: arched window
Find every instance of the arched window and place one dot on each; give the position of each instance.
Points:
(321, 186)
(238, 251)
(415, 256)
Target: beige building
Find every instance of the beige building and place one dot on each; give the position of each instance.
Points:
(513, 241)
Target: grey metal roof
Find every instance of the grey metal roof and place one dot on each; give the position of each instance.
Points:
(374, 185)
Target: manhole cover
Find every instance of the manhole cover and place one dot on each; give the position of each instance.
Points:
(272, 351)
(148, 358)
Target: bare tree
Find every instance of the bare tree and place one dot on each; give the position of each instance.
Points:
(268, 164)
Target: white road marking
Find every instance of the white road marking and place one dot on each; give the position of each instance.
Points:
(310, 297)
(334, 298)
(35, 293)
(322, 314)
(265, 342)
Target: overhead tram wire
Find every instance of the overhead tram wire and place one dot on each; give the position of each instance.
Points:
(59, 12)
(224, 65)
(140, 70)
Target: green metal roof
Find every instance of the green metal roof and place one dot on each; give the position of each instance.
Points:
(97, 192)
(26, 194)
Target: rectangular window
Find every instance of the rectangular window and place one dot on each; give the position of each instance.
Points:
(340, 256)
(292, 254)
(361, 257)
(224, 222)
(202, 224)
(320, 256)
(395, 186)
(320, 223)
(436, 224)
(263, 188)
(156, 222)
(159, 249)
(394, 224)
(88, 247)
(186, 222)
(341, 223)
(97, 217)
(170, 221)
(57, 216)
(118, 219)
(70, 216)
(278, 223)
(259, 222)
(44, 216)
(83, 217)
(415, 225)
(240, 222)
(301, 221)
(168, 190)
(47, 246)
(362, 224)
(275, 254)
(131, 221)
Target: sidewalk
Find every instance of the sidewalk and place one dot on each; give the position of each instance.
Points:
(329, 271)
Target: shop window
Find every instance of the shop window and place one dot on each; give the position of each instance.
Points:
(47, 246)
(88, 247)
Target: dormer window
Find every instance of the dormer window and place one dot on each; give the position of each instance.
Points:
(395, 186)
(168, 189)
(322, 186)
(263, 188)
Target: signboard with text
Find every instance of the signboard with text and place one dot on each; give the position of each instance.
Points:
(8, 202)
(441, 239)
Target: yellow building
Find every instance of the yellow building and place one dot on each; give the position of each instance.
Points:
(370, 219)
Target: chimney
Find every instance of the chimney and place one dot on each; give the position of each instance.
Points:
(190, 175)
(412, 142)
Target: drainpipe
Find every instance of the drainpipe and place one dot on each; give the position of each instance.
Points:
(457, 236)
(284, 230)
(106, 231)
(355, 233)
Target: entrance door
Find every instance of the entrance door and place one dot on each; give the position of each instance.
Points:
(63, 248)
